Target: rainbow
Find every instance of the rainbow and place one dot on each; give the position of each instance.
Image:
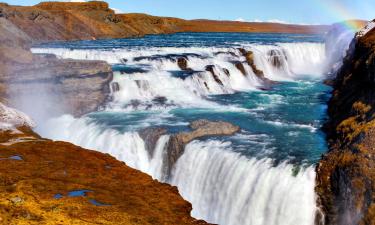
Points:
(341, 13)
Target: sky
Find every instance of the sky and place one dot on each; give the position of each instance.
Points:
(286, 11)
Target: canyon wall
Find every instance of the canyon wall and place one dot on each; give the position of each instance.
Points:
(346, 175)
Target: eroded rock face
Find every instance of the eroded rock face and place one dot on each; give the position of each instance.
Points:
(200, 128)
(151, 136)
(346, 175)
(55, 86)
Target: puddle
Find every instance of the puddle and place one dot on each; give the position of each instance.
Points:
(80, 193)
(15, 157)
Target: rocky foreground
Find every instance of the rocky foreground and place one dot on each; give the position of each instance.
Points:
(46, 182)
(346, 175)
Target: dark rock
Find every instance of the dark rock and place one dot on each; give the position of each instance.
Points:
(115, 87)
(205, 84)
(277, 58)
(143, 84)
(226, 71)
(240, 67)
(182, 63)
(160, 100)
(211, 69)
(151, 136)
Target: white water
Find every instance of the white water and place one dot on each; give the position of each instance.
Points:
(298, 59)
(223, 186)
(242, 190)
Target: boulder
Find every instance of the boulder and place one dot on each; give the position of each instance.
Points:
(240, 67)
(151, 136)
(211, 69)
(276, 57)
(183, 63)
(200, 128)
(226, 71)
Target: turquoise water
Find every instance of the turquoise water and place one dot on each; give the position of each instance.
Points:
(282, 123)
(262, 175)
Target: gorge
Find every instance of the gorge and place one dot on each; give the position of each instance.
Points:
(230, 113)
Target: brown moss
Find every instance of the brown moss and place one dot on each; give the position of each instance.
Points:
(49, 168)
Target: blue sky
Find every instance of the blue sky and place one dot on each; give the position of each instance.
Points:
(291, 11)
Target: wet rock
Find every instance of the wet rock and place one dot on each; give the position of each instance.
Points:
(200, 128)
(226, 71)
(151, 136)
(160, 100)
(206, 85)
(143, 84)
(276, 58)
(211, 69)
(241, 68)
(183, 63)
(249, 55)
(115, 87)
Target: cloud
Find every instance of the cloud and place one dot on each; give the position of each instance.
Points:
(262, 21)
(117, 11)
(240, 20)
(270, 21)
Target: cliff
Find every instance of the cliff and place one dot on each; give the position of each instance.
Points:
(346, 175)
(46, 182)
(93, 20)
(26, 80)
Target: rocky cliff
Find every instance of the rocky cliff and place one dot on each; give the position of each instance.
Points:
(26, 80)
(47, 182)
(346, 175)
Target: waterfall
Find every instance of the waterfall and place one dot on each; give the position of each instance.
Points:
(146, 77)
(224, 186)
(227, 188)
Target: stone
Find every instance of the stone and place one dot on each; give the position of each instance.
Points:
(183, 63)
(241, 68)
(200, 128)
(17, 200)
(115, 86)
(151, 136)
(211, 69)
